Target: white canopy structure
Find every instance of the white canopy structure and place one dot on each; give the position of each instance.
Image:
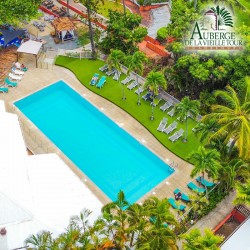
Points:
(38, 192)
(239, 239)
(30, 47)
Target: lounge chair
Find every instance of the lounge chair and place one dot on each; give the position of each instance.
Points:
(194, 187)
(171, 112)
(184, 196)
(139, 90)
(175, 206)
(176, 135)
(166, 105)
(101, 82)
(132, 85)
(94, 79)
(17, 71)
(204, 182)
(4, 90)
(162, 124)
(14, 77)
(127, 80)
(110, 72)
(147, 96)
(104, 68)
(170, 128)
(117, 76)
(10, 83)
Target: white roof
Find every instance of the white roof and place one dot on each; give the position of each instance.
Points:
(30, 47)
(240, 239)
(36, 192)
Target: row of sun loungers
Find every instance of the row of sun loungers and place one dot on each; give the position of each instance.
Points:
(179, 195)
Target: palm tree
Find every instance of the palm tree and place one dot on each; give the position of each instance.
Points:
(233, 115)
(41, 241)
(157, 235)
(233, 170)
(185, 108)
(70, 239)
(155, 80)
(194, 240)
(115, 59)
(206, 129)
(205, 161)
(136, 64)
(243, 193)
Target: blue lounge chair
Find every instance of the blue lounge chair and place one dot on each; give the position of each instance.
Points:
(4, 90)
(175, 206)
(10, 83)
(101, 82)
(184, 196)
(193, 187)
(204, 182)
(94, 79)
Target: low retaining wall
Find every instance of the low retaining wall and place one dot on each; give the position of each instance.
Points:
(157, 49)
(48, 11)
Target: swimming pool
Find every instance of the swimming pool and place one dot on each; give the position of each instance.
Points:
(103, 151)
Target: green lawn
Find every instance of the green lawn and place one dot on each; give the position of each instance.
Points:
(84, 70)
(112, 5)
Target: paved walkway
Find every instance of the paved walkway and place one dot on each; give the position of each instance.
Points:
(218, 214)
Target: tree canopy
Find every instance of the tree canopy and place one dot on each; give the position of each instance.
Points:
(12, 11)
(123, 32)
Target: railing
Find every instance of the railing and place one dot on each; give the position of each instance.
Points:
(74, 53)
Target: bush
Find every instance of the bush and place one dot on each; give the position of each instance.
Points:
(162, 34)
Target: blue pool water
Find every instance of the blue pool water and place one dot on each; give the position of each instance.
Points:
(107, 154)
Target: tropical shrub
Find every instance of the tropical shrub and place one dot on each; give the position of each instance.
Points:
(162, 34)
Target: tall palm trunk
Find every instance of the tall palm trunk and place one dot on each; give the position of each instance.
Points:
(123, 90)
(91, 33)
(152, 110)
(139, 94)
(124, 8)
(67, 7)
(231, 147)
(186, 132)
(202, 179)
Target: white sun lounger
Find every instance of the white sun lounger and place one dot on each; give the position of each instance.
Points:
(127, 80)
(17, 71)
(170, 128)
(171, 112)
(110, 72)
(162, 124)
(166, 106)
(132, 85)
(176, 135)
(104, 68)
(14, 77)
(139, 90)
(117, 76)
